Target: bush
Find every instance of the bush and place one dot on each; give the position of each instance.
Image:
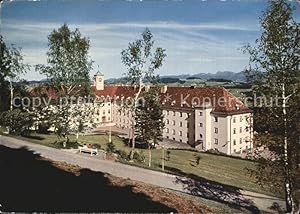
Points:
(69, 144)
(122, 155)
(111, 148)
(43, 128)
(18, 121)
(97, 146)
(139, 157)
(197, 158)
(168, 155)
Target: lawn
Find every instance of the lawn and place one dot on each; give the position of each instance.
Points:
(222, 169)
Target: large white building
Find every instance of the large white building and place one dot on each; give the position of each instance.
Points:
(203, 117)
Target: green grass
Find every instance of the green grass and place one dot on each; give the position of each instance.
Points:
(222, 169)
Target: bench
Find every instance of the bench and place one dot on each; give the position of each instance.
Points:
(87, 149)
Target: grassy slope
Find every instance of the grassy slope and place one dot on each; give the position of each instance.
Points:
(226, 170)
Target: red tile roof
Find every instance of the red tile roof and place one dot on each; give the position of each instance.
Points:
(220, 100)
(185, 98)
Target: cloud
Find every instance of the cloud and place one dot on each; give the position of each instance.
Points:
(191, 48)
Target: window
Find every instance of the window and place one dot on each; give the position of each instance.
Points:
(216, 130)
(180, 113)
(241, 140)
(180, 140)
(173, 131)
(200, 135)
(216, 119)
(187, 124)
(247, 129)
(103, 112)
(234, 142)
(108, 111)
(234, 150)
(200, 124)
(167, 137)
(234, 120)
(241, 119)
(187, 135)
(180, 133)
(167, 112)
(173, 138)
(167, 130)
(234, 131)
(216, 141)
(180, 123)
(108, 118)
(241, 129)
(167, 121)
(174, 113)
(200, 113)
(174, 122)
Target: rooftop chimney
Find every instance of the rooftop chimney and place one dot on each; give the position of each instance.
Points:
(164, 89)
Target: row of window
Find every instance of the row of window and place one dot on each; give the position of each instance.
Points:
(181, 114)
(180, 140)
(234, 141)
(174, 123)
(103, 112)
(174, 132)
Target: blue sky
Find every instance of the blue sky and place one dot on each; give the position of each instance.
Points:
(199, 35)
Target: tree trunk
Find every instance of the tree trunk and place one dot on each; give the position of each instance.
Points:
(133, 117)
(163, 159)
(133, 144)
(11, 101)
(288, 188)
(149, 162)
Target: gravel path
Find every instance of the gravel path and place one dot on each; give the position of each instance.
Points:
(207, 189)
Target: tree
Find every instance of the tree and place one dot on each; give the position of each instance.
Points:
(141, 62)
(149, 119)
(274, 71)
(20, 121)
(68, 70)
(12, 66)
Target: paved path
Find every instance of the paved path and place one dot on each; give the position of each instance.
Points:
(206, 189)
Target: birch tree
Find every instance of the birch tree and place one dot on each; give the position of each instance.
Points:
(149, 119)
(141, 60)
(274, 71)
(68, 69)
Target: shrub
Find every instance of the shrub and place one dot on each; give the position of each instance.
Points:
(110, 148)
(69, 144)
(122, 155)
(198, 158)
(97, 146)
(43, 128)
(139, 157)
(168, 153)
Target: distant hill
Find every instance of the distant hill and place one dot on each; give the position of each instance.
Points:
(224, 75)
(220, 75)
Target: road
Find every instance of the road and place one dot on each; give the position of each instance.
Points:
(231, 196)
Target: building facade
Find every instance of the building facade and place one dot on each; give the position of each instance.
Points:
(207, 118)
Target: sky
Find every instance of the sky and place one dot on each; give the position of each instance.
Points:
(199, 35)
